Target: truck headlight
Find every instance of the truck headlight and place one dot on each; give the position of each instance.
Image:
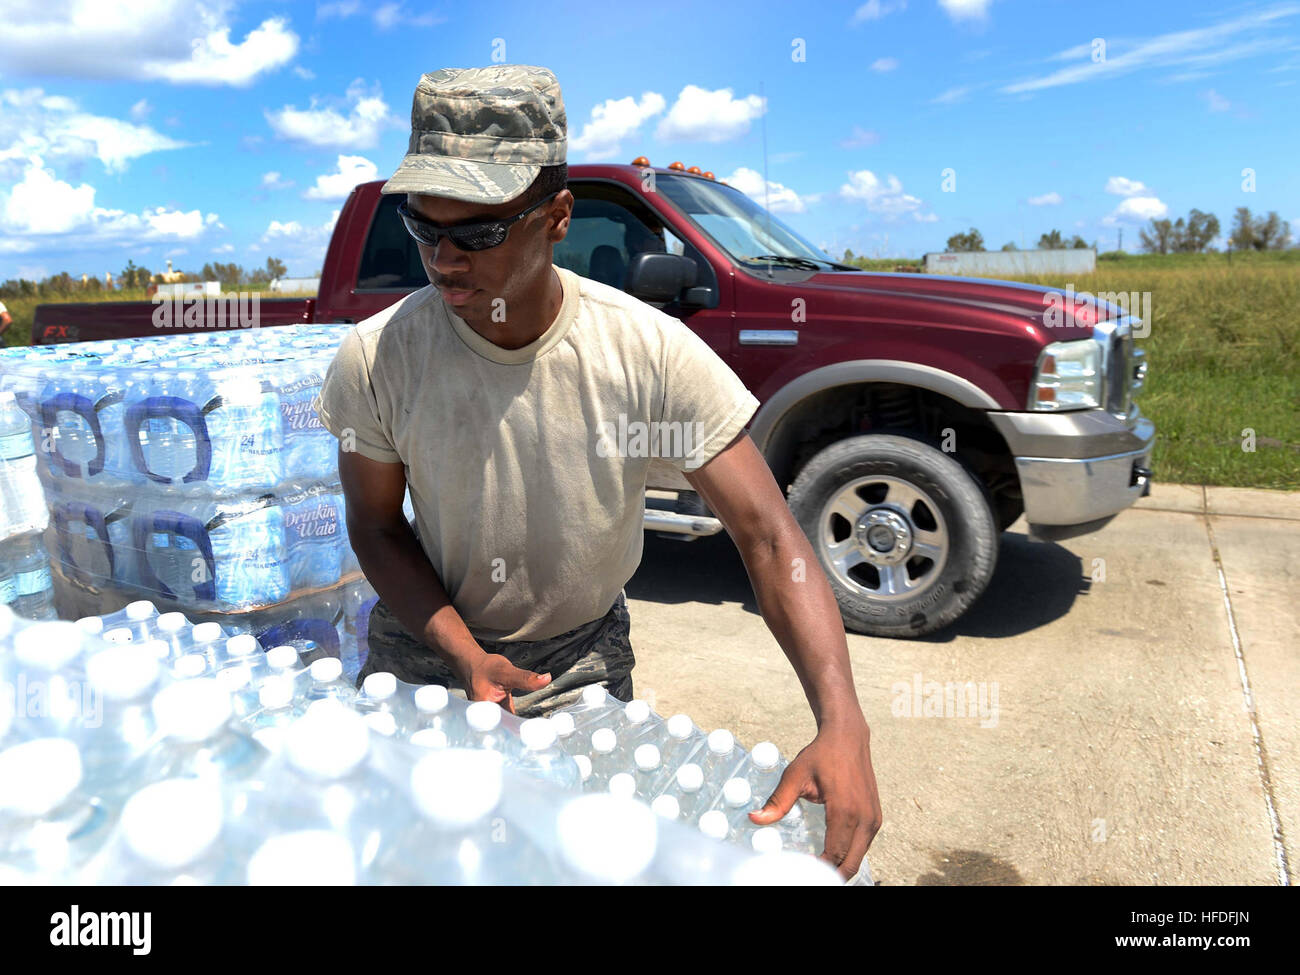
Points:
(1068, 377)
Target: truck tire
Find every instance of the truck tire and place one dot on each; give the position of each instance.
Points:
(904, 532)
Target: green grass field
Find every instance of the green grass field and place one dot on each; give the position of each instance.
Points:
(1223, 348)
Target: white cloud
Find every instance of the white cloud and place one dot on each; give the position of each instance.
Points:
(860, 137)
(367, 116)
(306, 74)
(33, 123)
(952, 95)
(612, 121)
(386, 16)
(1046, 200)
(1122, 186)
(300, 246)
(224, 249)
(885, 197)
(1216, 102)
(274, 181)
(884, 64)
(966, 9)
(41, 206)
(779, 198)
(876, 9)
(709, 116)
(140, 110)
(1136, 209)
(180, 41)
(1191, 49)
(337, 185)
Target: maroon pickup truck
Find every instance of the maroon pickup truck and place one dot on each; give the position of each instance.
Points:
(910, 418)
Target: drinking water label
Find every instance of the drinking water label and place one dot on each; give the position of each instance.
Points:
(295, 405)
(15, 445)
(161, 540)
(34, 581)
(303, 523)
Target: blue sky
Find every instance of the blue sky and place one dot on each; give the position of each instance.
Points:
(200, 131)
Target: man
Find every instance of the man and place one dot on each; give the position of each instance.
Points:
(493, 396)
(5, 319)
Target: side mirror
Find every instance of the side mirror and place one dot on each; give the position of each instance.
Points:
(659, 278)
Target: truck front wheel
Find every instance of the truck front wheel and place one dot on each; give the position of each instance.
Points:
(904, 532)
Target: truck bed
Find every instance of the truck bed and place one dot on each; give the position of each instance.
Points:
(91, 320)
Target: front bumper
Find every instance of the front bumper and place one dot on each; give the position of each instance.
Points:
(1077, 469)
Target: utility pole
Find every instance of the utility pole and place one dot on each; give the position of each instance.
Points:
(1121, 238)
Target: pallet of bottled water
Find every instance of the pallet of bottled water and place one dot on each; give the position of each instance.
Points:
(189, 468)
(137, 751)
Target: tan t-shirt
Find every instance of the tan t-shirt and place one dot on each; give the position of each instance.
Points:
(527, 467)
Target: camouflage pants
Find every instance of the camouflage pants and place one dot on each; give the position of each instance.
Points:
(598, 652)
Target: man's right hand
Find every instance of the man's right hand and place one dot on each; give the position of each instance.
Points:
(491, 677)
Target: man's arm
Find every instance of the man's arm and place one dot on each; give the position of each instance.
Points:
(835, 768)
(395, 564)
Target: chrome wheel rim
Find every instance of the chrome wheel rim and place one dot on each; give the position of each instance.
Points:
(884, 538)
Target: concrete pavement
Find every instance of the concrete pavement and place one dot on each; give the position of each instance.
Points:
(1088, 722)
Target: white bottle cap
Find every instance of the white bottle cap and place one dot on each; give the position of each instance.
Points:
(310, 857)
(537, 733)
(766, 839)
(206, 632)
(795, 815)
(593, 695)
(584, 766)
(721, 741)
(690, 777)
(430, 738)
(326, 669)
(380, 686)
(171, 622)
(48, 646)
(680, 726)
(275, 692)
(607, 837)
(192, 710)
(604, 741)
(458, 786)
(327, 743)
(562, 722)
(190, 665)
(736, 792)
(141, 609)
(647, 757)
(666, 807)
(714, 824)
(234, 679)
(123, 672)
(119, 634)
(483, 716)
(431, 698)
(92, 625)
(622, 784)
(637, 711)
(38, 775)
(283, 657)
(785, 869)
(765, 755)
(172, 823)
(242, 645)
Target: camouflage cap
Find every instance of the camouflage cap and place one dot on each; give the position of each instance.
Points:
(482, 134)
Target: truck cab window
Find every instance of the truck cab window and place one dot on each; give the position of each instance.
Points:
(390, 260)
(608, 229)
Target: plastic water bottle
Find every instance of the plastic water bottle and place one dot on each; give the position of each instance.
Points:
(283, 662)
(666, 807)
(200, 739)
(607, 839)
(309, 449)
(8, 585)
(722, 759)
(304, 857)
(638, 723)
(584, 769)
(596, 708)
(32, 583)
(48, 825)
(237, 680)
(461, 838)
(681, 743)
(207, 640)
(485, 731)
(569, 743)
(22, 502)
(173, 630)
(687, 787)
(623, 785)
(313, 533)
(169, 834)
(713, 824)
(326, 681)
(607, 759)
(542, 757)
(276, 712)
(383, 708)
(737, 802)
(437, 715)
(764, 770)
(649, 766)
(124, 678)
(766, 839)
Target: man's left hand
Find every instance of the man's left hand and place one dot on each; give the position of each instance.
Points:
(834, 769)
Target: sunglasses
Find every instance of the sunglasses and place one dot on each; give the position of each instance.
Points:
(466, 236)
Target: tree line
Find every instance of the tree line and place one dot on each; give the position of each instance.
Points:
(134, 276)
